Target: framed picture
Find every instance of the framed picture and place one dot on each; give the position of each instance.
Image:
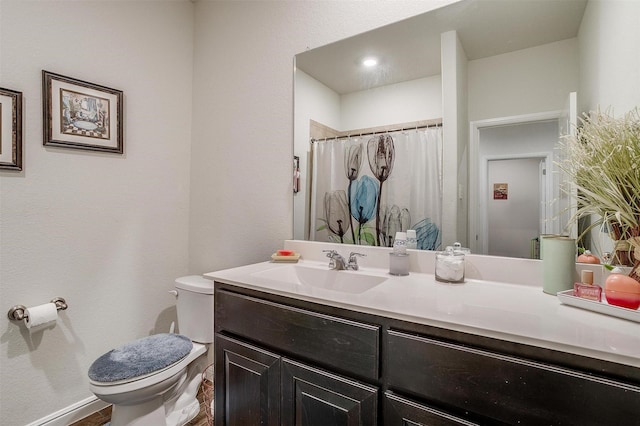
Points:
(500, 191)
(81, 115)
(10, 129)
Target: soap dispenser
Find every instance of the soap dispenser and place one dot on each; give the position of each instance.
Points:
(399, 258)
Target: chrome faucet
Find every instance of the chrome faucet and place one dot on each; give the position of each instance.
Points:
(338, 263)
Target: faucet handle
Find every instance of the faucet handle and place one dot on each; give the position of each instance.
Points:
(353, 260)
(330, 253)
(353, 255)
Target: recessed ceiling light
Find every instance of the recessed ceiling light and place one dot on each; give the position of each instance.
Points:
(370, 62)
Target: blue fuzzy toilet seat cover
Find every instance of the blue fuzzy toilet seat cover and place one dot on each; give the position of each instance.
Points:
(140, 357)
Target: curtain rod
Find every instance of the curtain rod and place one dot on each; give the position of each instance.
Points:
(400, 129)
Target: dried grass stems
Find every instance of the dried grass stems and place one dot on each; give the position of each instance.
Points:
(603, 162)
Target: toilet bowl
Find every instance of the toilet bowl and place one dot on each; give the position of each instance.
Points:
(154, 380)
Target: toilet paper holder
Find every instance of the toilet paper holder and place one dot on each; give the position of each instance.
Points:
(17, 312)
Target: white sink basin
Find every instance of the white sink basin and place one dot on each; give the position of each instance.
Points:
(342, 281)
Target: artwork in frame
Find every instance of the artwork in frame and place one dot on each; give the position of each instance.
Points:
(81, 115)
(500, 191)
(10, 129)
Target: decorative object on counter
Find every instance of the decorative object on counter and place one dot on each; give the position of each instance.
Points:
(588, 257)
(558, 264)
(543, 238)
(603, 161)
(603, 307)
(10, 129)
(81, 115)
(399, 264)
(399, 258)
(285, 256)
(586, 289)
(622, 290)
(450, 265)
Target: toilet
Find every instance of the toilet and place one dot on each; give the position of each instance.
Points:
(154, 381)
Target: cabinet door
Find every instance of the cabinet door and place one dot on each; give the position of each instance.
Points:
(313, 397)
(247, 384)
(399, 411)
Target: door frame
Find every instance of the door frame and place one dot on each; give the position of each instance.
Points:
(476, 230)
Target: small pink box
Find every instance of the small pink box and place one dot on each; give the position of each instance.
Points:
(588, 291)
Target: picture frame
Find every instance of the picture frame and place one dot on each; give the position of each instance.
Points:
(500, 191)
(10, 129)
(81, 115)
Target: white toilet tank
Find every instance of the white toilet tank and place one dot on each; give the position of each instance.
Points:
(195, 308)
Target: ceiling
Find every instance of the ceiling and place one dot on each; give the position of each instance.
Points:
(410, 49)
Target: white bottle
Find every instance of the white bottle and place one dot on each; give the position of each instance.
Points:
(399, 258)
(400, 243)
(412, 241)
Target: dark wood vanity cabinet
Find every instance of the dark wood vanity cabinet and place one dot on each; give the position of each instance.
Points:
(283, 361)
(283, 385)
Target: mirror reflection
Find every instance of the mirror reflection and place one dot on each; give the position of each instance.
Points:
(490, 84)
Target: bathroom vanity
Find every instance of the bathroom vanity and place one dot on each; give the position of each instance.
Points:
(410, 350)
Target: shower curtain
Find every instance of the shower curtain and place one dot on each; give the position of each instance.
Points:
(365, 189)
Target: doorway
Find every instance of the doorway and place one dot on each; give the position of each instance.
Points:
(515, 207)
(515, 157)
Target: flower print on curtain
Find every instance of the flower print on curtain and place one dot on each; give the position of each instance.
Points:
(336, 213)
(427, 235)
(401, 189)
(380, 152)
(352, 163)
(394, 219)
(363, 208)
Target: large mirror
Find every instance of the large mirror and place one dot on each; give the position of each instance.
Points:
(499, 78)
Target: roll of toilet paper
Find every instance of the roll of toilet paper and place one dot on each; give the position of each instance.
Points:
(41, 316)
(558, 264)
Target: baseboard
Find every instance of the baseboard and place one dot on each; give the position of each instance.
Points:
(72, 413)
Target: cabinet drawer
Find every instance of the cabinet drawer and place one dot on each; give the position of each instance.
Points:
(400, 411)
(337, 343)
(505, 388)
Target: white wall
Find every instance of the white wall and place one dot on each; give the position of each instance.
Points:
(414, 100)
(314, 101)
(241, 203)
(609, 42)
(526, 81)
(107, 232)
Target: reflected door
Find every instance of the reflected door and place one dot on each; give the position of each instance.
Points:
(516, 188)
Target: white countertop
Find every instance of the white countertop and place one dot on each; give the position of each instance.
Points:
(512, 312)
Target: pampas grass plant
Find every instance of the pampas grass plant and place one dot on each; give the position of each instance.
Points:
(603, 162)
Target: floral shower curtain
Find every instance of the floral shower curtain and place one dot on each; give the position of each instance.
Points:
(366, 188)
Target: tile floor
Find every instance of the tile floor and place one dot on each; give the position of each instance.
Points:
(102, 417)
